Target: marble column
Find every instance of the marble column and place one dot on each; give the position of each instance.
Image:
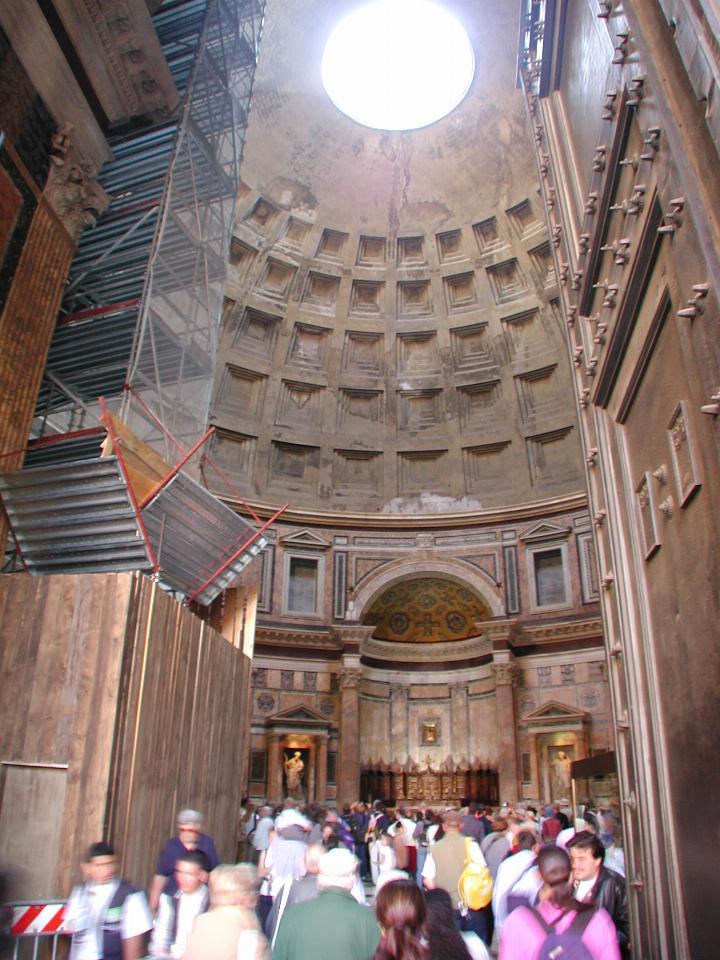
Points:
(503, 671)
(321, 752)
(274, 774)
(536, 786)
(398, 723)
(459, 732)
(348, 778)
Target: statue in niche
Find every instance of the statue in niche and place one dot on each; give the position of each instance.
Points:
(560, 774)
(294, 768)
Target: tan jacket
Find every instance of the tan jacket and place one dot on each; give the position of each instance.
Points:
(217, 933)
(449, 857)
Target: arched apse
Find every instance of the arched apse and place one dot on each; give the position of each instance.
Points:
(462, 574)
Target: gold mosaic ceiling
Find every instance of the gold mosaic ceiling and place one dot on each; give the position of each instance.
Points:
(426, 610)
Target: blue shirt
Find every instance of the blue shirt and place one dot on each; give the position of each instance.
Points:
(174, 849)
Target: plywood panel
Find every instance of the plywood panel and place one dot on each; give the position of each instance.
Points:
(61, 641)
(182, 743)
(33, 799)
(142, 700)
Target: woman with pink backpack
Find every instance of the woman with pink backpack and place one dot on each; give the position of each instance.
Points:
(559, 926)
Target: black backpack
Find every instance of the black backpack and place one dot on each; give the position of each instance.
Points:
(567, 945)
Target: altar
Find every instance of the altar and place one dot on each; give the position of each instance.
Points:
(414, 785)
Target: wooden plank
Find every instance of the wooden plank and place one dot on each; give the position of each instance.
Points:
(145, 467)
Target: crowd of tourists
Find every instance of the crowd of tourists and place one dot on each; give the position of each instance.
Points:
(366, 883)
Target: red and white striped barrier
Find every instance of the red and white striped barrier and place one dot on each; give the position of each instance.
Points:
(35, 919)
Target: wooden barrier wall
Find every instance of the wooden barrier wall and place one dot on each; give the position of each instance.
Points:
(117, 706)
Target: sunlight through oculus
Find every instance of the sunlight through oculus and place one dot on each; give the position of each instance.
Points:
(397, 64)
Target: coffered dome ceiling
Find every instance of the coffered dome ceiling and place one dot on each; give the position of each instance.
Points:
(426, 610)
(392, 338)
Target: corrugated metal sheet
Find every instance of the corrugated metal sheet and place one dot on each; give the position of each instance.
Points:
(193, 535)
(74, 518)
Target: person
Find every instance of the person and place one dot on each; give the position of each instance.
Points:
(405, 824)
(263, 828)
(444, 864)
(285, 857)
(526, 929)
(596, 884)
(176, 914)
(423, 823)
(400, 911)
(495, 846)
(399, 846)
(359, 824)
(190, 836)
(230, 929)
(472, 824)
(445, 941)
(294, 767)
(550, 826)
(246, 830)
(387, 861)
(516, 876)
(107, 917)
(296, 891)
(332, 926)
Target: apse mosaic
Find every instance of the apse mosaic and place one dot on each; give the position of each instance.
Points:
(426, 610)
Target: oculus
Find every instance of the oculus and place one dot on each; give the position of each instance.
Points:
(397, 64)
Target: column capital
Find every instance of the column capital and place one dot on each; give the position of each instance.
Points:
(398, 691)
(349, 678)
(505, 674)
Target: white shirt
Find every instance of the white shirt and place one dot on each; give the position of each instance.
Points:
(189, 905)
(386, 858)
(584, 887)
(85, 914)
(514, 874)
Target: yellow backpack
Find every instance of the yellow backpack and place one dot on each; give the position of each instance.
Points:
(475, 885)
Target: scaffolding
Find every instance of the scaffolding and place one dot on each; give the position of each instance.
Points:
(135, 343)
(144, 298)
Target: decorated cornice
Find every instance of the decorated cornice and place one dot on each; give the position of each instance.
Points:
(546, 633)
(383, 521)
(296, 637)
(458, 650)
(120, 51)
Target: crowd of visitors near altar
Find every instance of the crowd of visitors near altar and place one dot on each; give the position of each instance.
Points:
(366, 883)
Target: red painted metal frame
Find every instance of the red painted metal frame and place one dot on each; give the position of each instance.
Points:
(205, 457)
(91, 312)
(133, 499)
(12, 534)
(237, 553)
(176, 469)
(236, 493)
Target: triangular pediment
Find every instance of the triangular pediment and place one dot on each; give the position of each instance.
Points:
(306, 539)
(298, 714)
(545, 531)
(555, 711)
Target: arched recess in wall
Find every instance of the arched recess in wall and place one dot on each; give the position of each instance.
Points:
(398, 571)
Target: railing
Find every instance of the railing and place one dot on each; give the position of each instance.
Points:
(35, 923)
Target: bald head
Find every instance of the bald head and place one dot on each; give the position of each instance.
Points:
(312, 857)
